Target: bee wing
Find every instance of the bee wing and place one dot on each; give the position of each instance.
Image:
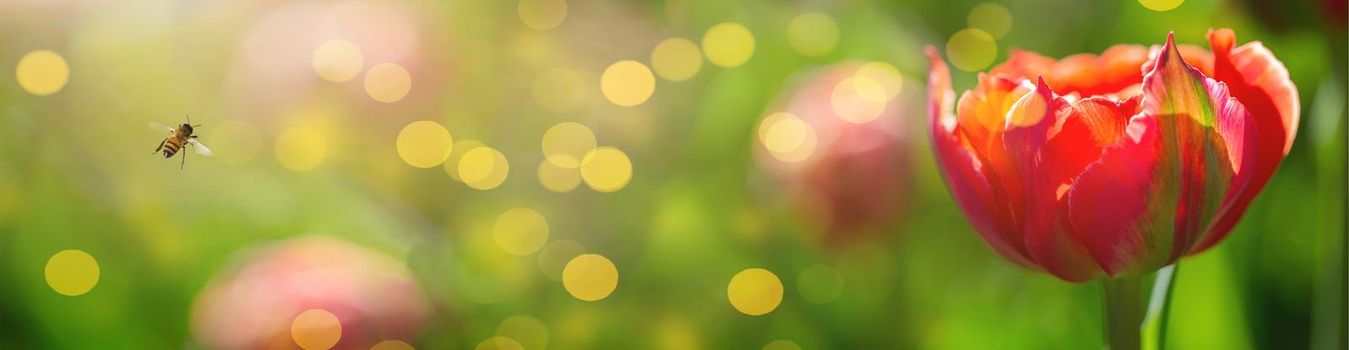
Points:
(162, 127)
(200, 148)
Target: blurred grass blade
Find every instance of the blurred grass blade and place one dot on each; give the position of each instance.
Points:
(1154, 324)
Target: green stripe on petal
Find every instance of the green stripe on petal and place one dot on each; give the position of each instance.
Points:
(1195, 154)
(1175, 88)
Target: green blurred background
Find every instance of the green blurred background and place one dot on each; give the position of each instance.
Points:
(299, 155)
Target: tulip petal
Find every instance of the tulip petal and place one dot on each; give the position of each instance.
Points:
(1177, 89)
(1261, 83)
(1023, 64)
(1115, 72)
(966, 172)
(1112, 203)
(940, 95)
(981, 112)
(980, 115)
(1050, 145)
(1149, 197)
(1196, 57)
(1115, 69)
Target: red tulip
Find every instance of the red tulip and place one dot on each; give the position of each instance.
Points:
(1094, 166)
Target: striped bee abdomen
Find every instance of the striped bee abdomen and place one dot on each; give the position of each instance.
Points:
(171, 146)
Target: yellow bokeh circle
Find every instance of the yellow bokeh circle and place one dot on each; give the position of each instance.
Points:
(392, 344)
(606, 169)
(542, 14)
(42, 72)
(520, 231)
(559, 90)
(812, 34)
(784, 135)
(387, 82)
(971, 49)
(754, 291)
(337, 60)
(627, 83)
(884, 73)
(528, 331)
(566, 143)
(728, 44)
(858, 99)
(590, 277)
(451, 164)
(992, 18)
(1161, 5)
(424, 144)
(558, 179)
(787, 137)
(72, 272)
(676, 59)
(301, 148)
(316, 329)
(483, 168)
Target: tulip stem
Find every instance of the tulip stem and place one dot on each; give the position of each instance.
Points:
(1123, 312)
(1154, 326)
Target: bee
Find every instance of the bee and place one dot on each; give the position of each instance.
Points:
(178, 138)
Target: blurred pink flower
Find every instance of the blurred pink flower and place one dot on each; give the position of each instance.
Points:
(251, 305)
(855, 180)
